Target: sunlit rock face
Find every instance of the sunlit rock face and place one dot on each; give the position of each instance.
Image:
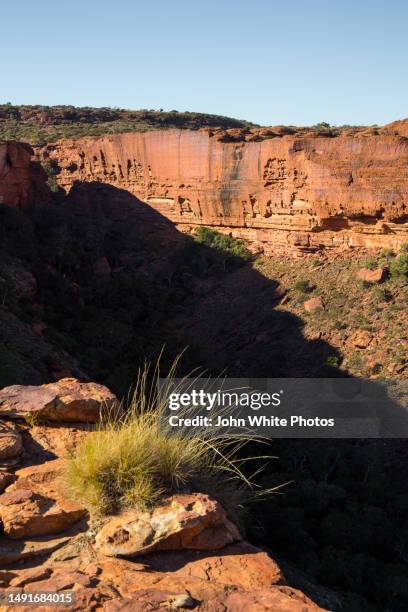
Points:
(297, 192)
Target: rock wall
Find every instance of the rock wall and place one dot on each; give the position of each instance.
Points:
(22, 181)
(281, 192)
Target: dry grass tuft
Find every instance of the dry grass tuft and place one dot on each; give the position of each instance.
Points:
(130, 461)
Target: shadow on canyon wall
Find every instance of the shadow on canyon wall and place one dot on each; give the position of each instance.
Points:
(227, 319)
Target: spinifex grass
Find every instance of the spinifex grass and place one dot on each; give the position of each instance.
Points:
(130, 461)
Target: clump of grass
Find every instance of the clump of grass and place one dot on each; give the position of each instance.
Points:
(333, 361)
(132, 461)
(303, 286)
(370, 264)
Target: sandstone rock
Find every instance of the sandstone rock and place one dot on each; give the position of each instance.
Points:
(66, 400)
(337, 181)
(45, 442)
(6, 478)
(239, 564)
(22, 181)
(12, 551)
(314, 304)
(25, 514)
(361, 338)
(281, 599)
(33, 574)
(372, 276)
(11, 444)
(33, 506)
(182, 522)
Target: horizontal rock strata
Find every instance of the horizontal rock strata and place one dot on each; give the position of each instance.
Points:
(291, 192)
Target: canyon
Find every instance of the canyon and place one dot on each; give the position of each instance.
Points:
(102, 270)
(280, 191)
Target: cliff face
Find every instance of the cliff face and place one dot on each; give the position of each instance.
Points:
(279, 192)
(22, 181)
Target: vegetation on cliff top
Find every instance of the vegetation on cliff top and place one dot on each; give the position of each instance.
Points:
(39, 124)
(42, 124)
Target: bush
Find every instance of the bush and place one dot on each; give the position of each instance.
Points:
(370, 264)
(132, 461)
(230, 250)
(399, 267)
(303, 286)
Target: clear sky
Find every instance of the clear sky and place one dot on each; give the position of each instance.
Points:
(268, 61)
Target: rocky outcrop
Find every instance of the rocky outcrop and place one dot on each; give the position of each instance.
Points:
(279, 190)
(185, 553)
(22, 181)
(65, 400)
(181, 522)
(371, 276)
(33, 506)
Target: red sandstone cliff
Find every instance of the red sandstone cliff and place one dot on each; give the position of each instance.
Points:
(22, 181)
(278, 191)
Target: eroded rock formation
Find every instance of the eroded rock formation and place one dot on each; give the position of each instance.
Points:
(22, 181)
(278, 190)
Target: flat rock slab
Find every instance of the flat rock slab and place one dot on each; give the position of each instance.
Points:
(11, 552)
(67, 400)
(194, 522)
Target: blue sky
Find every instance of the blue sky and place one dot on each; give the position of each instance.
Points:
(269, 61)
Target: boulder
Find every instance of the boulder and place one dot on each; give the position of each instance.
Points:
(314, 304)
(372, 276)
(33, 506)
(11, 444)
(361, 338)
(65, 400)
(193, 521)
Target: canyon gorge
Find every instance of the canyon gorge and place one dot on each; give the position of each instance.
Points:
(101, 268)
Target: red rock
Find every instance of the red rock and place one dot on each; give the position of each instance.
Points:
(361, 338)
(11, 444)
(66, 400)
(22, 181)
(6, 478)
(372, 276)
(34, 506)
(11, 552)
(181, 522)
(282, 191)
(314, 304)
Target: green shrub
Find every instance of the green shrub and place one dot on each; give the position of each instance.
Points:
(386, 255)
(333, 361)
(399, 267)
(51, 181)
(302, 286)
(371, 264)
(131, 460)
(228, 248)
